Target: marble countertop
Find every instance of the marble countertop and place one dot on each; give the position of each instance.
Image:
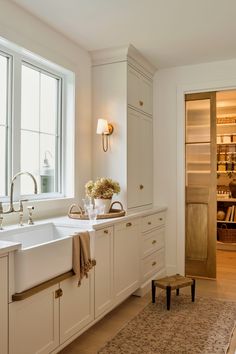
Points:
(9, 246)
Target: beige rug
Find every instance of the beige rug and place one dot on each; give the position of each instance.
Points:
(204, 326)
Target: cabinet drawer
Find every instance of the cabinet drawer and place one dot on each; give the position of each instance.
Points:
(153, 241)
(152, 264)
(151, 221)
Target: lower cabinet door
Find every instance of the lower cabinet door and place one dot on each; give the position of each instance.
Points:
(33, 323)
(76, 305)
(103, 270)
(126, 259)
(3, 305)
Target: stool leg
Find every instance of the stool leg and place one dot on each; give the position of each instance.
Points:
(168, 296)
(177, 292)
(153, 292)
(193, 290)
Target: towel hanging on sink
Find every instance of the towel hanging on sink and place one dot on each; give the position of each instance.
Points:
(81, 260)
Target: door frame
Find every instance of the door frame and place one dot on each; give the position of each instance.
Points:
(182, 90)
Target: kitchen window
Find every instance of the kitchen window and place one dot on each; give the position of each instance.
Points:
(33, 101)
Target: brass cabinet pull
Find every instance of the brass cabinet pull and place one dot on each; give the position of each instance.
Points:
(154, 263)
(141, 103)
(149, 223)
(106, 231)
(128, 224)
(160, 219)
(154, 241)
(141, 186)
(58, 293)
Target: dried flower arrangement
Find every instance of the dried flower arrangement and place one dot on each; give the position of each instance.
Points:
(103, 188)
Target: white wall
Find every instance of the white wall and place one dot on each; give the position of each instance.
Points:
(169, 87)
(27, 31)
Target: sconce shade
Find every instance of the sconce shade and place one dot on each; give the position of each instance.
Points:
(102, 127)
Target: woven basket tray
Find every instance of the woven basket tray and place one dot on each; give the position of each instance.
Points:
(76, 212)
(226, 235)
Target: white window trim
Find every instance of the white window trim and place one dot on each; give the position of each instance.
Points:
(20, 55)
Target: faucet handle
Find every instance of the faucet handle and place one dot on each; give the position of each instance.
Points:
(30, 211)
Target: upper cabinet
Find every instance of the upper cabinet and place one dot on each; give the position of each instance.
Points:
(123, 95)
(139, 91)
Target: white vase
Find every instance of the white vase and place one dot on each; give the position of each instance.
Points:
(103, 205)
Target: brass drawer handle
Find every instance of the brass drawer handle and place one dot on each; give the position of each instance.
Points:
(149, 223)
(141, 103)
(154, 263)
(154, 241)
(106, 231)
(58, 293)
(128, 224)
(141, 186)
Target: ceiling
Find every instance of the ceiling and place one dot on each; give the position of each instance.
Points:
(168, 32)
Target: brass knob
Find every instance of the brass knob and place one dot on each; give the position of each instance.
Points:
(128, 224)
(160, 219)
(105, 231)
(154, 241)
(141, 186)
(141, 103)
(149, 223)
(154, 263)
(58, 293)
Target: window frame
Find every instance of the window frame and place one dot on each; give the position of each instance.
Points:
(66, 85)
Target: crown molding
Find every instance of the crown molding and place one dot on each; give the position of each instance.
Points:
(122, 54)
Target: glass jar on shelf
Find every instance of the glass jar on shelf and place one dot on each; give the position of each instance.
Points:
(229, 163)
(221, 166)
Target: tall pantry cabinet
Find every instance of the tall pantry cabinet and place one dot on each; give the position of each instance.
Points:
(122, 94)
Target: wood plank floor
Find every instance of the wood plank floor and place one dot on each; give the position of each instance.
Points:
(223, 288)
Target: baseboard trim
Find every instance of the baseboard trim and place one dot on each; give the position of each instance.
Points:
(146, 287)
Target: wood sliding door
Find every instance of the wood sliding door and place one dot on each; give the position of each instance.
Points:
(200, 214)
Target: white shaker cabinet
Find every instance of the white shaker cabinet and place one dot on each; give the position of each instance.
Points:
(34, 323)
(140, 156)
(76, 305)
(126, 259)
(122, 94)
(139, 91)
(103, 271)
(3, 305)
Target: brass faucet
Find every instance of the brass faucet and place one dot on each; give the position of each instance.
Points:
(11, 206)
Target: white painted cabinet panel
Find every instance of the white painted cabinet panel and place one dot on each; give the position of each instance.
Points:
(76, 305)
(139, 91)
(126, 259)
(140, 158)
(153, 241)
(3, 305)
(103, 270)
(34, 323)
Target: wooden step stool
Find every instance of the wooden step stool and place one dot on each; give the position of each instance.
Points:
(173, 282)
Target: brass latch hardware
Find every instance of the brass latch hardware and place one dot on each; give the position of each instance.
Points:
(160, 219)
(105, 231)
(154, 241)
(149, 223)
(141, 103)
(154, 263)
(58, 293)
(128, 224)
(141, 186)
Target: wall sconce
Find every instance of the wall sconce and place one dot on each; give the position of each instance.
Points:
(105, 129)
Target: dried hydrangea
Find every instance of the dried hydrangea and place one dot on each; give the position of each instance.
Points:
(103, 188)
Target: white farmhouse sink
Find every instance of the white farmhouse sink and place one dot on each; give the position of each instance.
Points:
(46, 252)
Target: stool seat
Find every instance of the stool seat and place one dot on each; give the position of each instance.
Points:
(173, 282)
(176, 281)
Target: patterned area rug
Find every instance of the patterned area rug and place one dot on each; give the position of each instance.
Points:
(204, 326)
